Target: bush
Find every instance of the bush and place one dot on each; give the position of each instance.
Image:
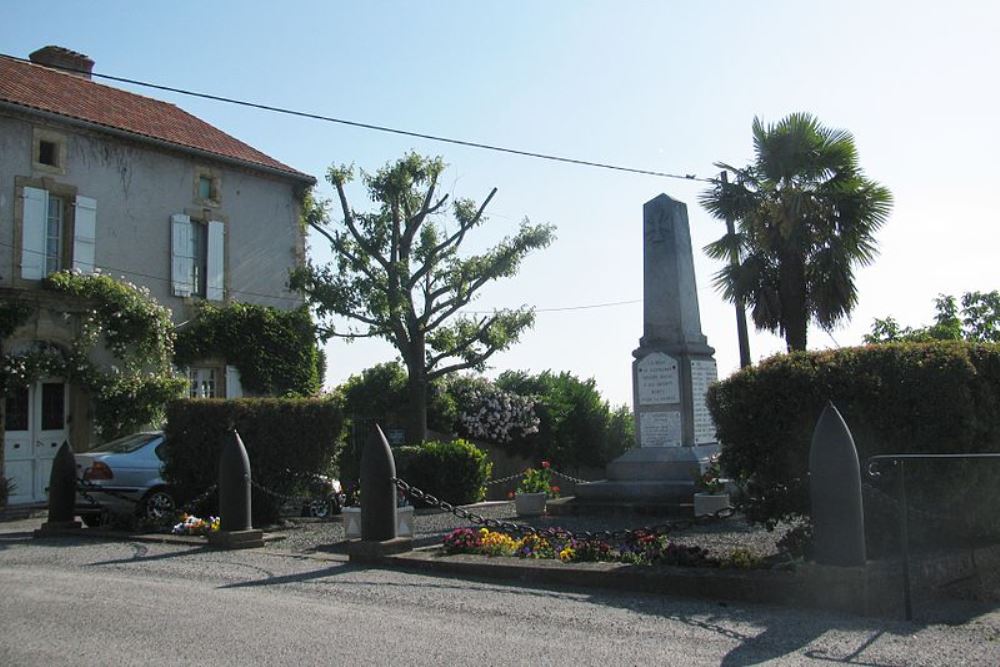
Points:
(576, 426)
(287, 441)
(452, 471)
(896, 398)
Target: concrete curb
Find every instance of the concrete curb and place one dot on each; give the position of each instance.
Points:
(152, 538)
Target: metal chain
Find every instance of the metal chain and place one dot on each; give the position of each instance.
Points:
(191, 504)
(561, 533)
(281, 496)
(552, 470)
(576, 480)
(85, 487)
(505, 479)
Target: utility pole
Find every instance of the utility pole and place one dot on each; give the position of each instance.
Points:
(741, 316)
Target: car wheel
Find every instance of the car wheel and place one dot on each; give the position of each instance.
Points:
(157, 504)
(319, 508)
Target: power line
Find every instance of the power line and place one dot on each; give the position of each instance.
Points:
(383, 128)
(562, 308)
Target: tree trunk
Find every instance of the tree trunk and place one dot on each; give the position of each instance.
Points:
(794, 311)
(416, 423)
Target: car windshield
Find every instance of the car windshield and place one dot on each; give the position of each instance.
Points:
(128, 444)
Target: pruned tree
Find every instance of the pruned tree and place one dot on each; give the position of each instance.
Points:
(398, 275)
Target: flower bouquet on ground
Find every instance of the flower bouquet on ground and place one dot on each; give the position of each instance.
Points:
(192, 525)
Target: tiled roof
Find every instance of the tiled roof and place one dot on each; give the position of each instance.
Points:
(37, 87)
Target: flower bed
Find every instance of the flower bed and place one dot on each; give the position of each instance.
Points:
(639, 548)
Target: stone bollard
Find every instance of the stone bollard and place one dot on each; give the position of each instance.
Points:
(62, 494)
(835, 490)
(378, 502)
(235, 529)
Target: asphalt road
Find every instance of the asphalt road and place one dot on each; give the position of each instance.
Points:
(81, 602)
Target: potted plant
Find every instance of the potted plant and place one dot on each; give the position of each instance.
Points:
(710, 495)
(535, 488)
(351, 514)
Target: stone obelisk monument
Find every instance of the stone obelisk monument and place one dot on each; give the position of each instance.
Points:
(672, 369)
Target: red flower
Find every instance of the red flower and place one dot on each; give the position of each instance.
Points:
(546, 464)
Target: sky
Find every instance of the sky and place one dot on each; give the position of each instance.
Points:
(664, 86)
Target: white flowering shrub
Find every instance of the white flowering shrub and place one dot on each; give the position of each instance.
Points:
(488, 413)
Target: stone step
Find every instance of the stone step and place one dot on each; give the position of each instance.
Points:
(573, 505)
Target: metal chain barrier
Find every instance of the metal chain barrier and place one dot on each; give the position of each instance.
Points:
(505, 479)
(575, 480)
(191, 504)
(561, 533)
(555, 472)
(280, 496)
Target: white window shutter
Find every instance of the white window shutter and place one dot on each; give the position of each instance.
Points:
(35, 211)
(216, 287)
(181, 259)
(234, 389)
(84, 234)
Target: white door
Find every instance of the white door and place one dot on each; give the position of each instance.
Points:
(35, 429)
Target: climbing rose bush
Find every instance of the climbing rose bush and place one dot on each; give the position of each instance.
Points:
(489, 413)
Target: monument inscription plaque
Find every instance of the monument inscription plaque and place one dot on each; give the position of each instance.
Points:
(660, 429)
(703, 373)
(658, 379)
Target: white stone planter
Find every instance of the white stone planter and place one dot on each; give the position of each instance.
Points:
(710, 503)
(530, 504)
(352, 522)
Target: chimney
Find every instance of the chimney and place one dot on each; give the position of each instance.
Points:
(64, 59)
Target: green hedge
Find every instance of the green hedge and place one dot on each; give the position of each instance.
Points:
(577, 426)
(286, 439)
(895, 398)
(454, 471)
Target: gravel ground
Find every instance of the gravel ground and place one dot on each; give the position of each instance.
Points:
(310, 535)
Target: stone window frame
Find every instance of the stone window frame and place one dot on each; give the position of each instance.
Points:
(215, 199)
(38, 135)
(65, 192)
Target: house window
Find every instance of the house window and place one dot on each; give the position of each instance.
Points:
(205, 187)
(198, 257)
(54, 234)
(202, 383)
(58, 230)
(16, 410)
(48, 153)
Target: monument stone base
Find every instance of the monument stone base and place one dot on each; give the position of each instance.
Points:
(654, 474)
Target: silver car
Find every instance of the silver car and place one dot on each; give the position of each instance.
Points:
(124, 476)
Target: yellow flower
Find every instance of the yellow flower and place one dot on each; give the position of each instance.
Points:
(567, 554)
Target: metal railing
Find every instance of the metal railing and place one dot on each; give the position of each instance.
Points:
(899, 462)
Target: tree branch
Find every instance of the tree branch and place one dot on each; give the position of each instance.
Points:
(472, 363)
(358, 238)
(455, 238)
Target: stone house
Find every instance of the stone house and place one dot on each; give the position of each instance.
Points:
(96, 178)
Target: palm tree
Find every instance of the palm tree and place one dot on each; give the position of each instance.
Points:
(806, 215)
